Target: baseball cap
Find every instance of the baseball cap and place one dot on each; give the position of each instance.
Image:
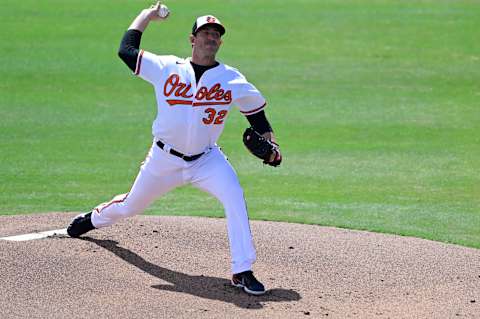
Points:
(208, 20)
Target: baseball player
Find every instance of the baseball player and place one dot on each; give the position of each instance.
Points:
(194, 98)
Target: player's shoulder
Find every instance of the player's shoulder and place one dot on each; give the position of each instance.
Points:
(165, 59)
(230, 69)
(172, 59)
(233, 73)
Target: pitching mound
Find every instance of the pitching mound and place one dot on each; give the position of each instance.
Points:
(168, 267)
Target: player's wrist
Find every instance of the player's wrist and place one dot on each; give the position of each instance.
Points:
(269, 136)
(148, 14)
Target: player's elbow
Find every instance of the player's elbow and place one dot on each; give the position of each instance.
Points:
(123, 54)
(129, 58)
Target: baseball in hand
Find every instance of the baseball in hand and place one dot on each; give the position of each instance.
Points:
(163, 11)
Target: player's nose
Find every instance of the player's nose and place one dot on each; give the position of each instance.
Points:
(213, 36)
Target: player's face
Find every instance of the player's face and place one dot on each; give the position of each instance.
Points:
(207, 40)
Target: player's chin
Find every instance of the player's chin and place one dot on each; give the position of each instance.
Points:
(211, 53)
(212, 48)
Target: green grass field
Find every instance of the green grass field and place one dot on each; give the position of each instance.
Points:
(374, 103)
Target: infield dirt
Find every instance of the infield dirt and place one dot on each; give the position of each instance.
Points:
(176, 267)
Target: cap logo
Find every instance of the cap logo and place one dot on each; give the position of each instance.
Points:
(211, 20)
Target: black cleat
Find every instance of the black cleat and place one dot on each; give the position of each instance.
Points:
(80, 225)
(248, 282)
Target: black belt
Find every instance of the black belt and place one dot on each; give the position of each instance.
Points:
(178, 154)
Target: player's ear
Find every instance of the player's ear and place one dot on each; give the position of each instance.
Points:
(192, 39)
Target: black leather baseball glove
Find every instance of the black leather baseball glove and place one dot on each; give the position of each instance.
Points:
(262, 147)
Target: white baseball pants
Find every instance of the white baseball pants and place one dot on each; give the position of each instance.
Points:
(162, 172)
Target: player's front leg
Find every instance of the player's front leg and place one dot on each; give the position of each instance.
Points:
(216, 176)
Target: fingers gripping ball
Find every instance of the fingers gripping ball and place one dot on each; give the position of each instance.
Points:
(163, 11)
(261, 147)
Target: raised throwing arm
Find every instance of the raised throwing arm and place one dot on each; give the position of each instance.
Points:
(129, 47)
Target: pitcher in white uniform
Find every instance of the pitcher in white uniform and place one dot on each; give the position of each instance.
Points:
(194, 98)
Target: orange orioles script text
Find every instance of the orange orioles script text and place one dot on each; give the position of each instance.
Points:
(204, 96)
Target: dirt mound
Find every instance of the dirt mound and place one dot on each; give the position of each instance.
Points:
(169, 267)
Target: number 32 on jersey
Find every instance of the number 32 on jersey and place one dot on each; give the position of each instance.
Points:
(214, 117)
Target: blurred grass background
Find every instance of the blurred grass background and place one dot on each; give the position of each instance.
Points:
(374, 103)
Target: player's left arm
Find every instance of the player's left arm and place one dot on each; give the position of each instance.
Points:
(259, 123)
(252, 104)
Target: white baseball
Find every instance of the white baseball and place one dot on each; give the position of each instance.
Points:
(163, 11)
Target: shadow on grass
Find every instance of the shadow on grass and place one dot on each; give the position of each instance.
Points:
(201, 286)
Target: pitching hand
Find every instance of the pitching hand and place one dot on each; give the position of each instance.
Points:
(158, 11)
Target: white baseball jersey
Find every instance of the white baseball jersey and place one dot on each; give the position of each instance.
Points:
(190, 119)
(191, 116)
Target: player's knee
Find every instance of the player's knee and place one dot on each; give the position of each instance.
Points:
(232, 194)
(238, 193)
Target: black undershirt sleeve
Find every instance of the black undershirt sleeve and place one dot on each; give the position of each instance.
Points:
(259, 122)
(129, 48)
